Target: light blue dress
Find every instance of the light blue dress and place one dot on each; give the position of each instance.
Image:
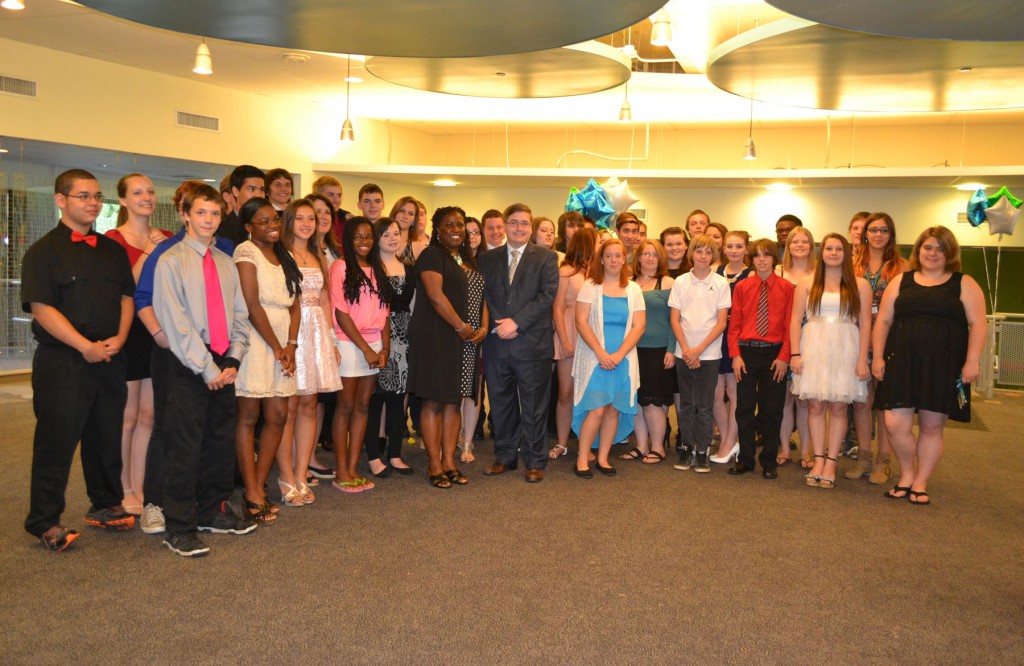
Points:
(610, 386)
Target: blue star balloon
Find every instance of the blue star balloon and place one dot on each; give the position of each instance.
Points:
(976, 208)
(596, 204)
(573, 202)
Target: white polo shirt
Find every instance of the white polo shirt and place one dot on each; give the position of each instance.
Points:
(699, 302)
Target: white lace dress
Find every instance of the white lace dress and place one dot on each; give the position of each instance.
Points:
(260, 375)
(829, 345)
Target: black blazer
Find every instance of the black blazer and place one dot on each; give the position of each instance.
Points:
(527, 301)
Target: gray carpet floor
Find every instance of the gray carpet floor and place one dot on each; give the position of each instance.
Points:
(654, 566)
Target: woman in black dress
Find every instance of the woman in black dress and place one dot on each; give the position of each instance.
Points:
(444, 335)
(928, 340)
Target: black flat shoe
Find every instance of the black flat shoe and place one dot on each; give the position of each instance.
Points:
(583, 473)
(607, 471)
(383, 474)
(404, 471)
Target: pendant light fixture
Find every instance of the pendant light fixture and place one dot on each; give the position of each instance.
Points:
(348, 134)
(750, 151)
(204, 61)
(12, 4)
(626, 111)
(661, 31)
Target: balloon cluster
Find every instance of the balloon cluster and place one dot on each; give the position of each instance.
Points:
(601, 203)
(1002, 210)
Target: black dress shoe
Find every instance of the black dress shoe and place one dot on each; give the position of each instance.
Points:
(770, 474)
(607, 471)
(739, 468)
(404, 471)
(583, 473)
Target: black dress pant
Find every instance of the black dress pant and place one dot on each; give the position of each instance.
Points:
(519, 391)
(199, 448)
(759, 391)
(75, 400)
(394, 425)
(160, 364)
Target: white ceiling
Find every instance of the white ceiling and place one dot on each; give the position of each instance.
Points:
(671, 100)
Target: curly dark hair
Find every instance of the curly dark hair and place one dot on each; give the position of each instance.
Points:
(356, 280)
(292, 274)
(465, 252)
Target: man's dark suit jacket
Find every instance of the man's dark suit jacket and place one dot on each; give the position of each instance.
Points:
(527, 301)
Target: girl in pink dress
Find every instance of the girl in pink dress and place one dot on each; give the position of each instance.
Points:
(571, 275)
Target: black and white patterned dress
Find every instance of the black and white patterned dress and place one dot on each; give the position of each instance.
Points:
(474, 317)
(392, 378)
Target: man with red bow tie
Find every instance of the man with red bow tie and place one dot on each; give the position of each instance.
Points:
(78, 286)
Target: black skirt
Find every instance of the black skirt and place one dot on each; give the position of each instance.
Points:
(656, 383)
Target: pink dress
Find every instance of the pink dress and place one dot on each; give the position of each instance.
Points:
(569, 314)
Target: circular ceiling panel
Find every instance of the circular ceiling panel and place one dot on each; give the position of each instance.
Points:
(991, 21)
(413, 28)
(795, 63)
(573, 70)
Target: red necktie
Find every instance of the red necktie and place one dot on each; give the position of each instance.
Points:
(761, 323)
(215, 316)
(78, 237)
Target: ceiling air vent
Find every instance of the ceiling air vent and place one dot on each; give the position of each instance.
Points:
(197, 121)
(13, 86)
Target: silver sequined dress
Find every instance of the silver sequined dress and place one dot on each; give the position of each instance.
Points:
(316, 366)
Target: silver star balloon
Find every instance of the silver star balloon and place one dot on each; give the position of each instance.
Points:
(1002, 217)
(618, 194)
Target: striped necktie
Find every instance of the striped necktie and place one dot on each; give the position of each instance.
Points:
(761, 324)
(512, 267)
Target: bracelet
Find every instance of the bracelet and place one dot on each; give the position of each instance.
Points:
(796, 354)
(461, 327)
(157, 333)
(293, 342)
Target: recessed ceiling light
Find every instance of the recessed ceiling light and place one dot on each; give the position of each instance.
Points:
(966, 70)
(779, 187)
(971, 187)
(353, 79)
(295, 57)
(499, 73)
(444, 182)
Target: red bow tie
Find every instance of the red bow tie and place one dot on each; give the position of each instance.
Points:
(78, 237)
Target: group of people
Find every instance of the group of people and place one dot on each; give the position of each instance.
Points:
(189, 364)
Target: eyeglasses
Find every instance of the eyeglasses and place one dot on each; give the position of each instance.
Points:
(518, 223)
(473, 232)
(265, 222)
(649, 255)
(85, 197)
(884, 231)
(361, 237)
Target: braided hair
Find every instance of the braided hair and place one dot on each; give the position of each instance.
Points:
(465, 253)
(292, 274)
(355, 278)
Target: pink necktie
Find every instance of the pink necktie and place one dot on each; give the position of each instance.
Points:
(215, 316)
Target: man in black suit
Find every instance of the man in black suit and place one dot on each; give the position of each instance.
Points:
(521, 279)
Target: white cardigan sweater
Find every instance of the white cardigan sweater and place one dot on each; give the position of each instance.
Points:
(585, 360)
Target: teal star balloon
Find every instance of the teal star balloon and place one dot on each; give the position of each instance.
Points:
(976, 208)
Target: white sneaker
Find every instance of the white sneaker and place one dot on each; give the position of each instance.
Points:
(152, 519)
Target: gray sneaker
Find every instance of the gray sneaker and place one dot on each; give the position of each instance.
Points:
(152, 520)
(226, 522)
(702, 466)
(685, 459)
(186, 544)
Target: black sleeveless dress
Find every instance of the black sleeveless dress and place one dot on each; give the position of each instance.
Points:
(926, 349)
